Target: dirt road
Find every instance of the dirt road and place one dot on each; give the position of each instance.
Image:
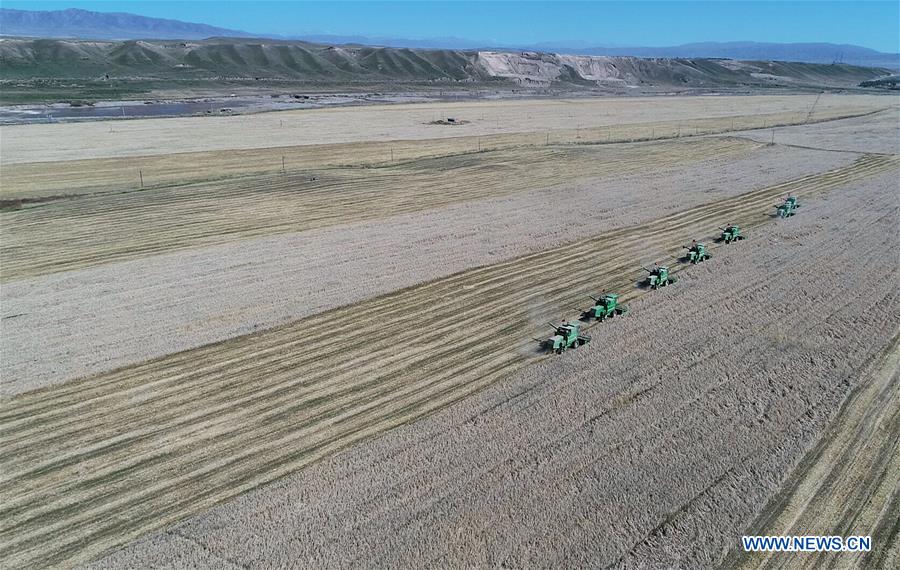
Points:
(653, 446)
(874, 133)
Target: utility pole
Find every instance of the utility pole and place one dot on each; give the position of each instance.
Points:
(813, 108)
(141, 173)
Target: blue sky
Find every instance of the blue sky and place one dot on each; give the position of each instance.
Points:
(624, 23)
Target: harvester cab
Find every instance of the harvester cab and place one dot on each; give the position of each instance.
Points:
(731, 233)
(697, 252)
(566, 336)
(606, 306)
(786, 209)
(659, 277)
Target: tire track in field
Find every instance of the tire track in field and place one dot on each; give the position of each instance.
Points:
(94, 463)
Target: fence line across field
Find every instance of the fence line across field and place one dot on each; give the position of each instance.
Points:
(148, 172)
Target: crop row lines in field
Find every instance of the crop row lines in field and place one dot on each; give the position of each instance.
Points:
(104, 229)
(35, 182)
(158, 441)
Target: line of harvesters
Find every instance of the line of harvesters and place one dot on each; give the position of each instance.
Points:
(568, 334)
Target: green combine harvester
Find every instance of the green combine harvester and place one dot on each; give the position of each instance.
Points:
(786, 209)
(697, 253)
(605, 306)
(731, 233)
(659, 277)
(567, 336)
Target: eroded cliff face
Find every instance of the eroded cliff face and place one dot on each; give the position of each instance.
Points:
(532, 68)
(543, 68)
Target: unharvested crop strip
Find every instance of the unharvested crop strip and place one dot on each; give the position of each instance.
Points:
(85, 475)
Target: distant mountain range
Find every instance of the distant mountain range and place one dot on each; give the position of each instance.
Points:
(74, 23)
(803, 52)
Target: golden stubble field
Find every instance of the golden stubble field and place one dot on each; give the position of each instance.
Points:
(89, 464)
(73, 213)
(105, 139)
(93, 462)
(654, 445)
(92, 229)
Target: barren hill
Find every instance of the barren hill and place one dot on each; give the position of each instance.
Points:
(51, 70)
(283, 60)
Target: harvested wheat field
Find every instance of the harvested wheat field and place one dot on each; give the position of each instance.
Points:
(98, 318)
(26, 143)
(336, 362)
(850, 482)
(606, 457)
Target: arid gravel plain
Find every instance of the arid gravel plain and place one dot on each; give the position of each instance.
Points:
(335, 364)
